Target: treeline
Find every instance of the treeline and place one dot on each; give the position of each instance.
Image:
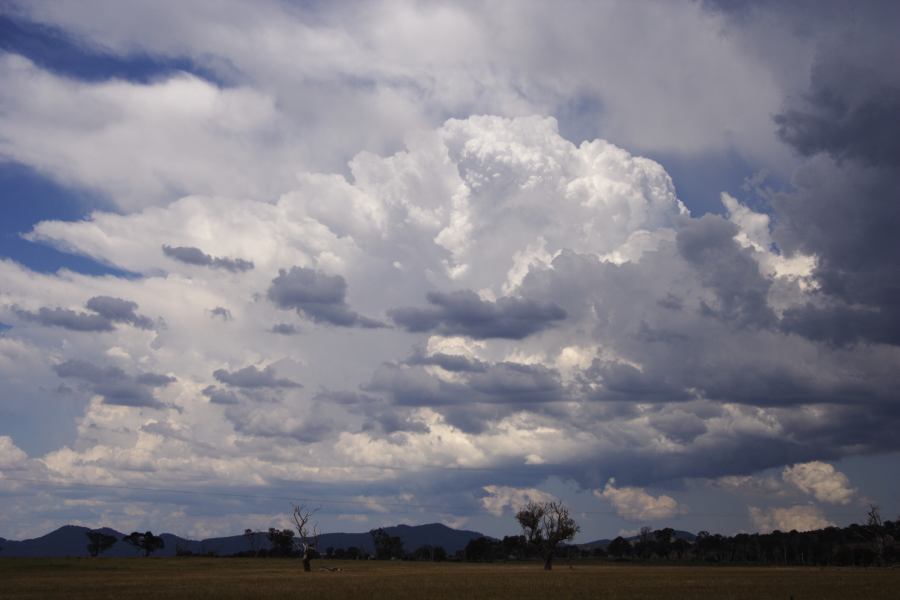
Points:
(282, 543)
(859, 545)
(875, 543)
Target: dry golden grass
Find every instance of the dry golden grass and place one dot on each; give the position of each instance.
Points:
(249, 578)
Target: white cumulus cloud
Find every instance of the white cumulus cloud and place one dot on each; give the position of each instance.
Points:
(800, 517)
(635, 504)
(501, 497)
(821, 480)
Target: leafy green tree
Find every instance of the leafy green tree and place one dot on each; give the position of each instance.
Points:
(619, 547)
(439, 554)
(386, 546)
(99, 542)
(480, 550)
(281, 541)
(546, 525)
(147, 542)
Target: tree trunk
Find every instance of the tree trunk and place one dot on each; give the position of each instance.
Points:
(307, 558)
(548, 562)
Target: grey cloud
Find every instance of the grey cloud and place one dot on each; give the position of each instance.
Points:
(723, 266)
(678, 425)
(106, 312)
(285, 329)
(518, 383)
(850, 109)
(622, 381)
(307, 430)
(195, 256)
(841, 325)
(676, 356)
(672, 302)
(392, 421)
(154, 379)
(118, 310)
(464, 313)
(218, 395)
(470, 420)
(843, 203)
(500, 383)
(114, 385)
(251, 377)
(67, 319)
(378, 415)
(347, 398)
(449, 362)
(319, 297)
(221, 312)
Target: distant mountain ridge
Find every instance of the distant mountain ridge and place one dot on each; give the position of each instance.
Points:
(678, 535)
(70, 540)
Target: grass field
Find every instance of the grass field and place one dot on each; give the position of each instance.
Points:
(250, 578)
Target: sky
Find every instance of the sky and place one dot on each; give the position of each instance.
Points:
(414, 262)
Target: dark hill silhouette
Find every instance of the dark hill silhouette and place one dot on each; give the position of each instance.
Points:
(679, 535)
(70, 540)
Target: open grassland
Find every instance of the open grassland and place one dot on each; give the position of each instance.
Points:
(254, 578)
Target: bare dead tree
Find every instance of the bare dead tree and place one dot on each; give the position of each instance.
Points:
(546, 525)
(307, 533)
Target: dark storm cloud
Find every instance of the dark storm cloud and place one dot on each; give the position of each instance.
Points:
(464, 313)
(841, 325)
(845, 203)
(106, 312)
(499, 383)
(726, 268)
(251, 377)
(850, 108)
(319, 297)
(114, 385)
(195, 256)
